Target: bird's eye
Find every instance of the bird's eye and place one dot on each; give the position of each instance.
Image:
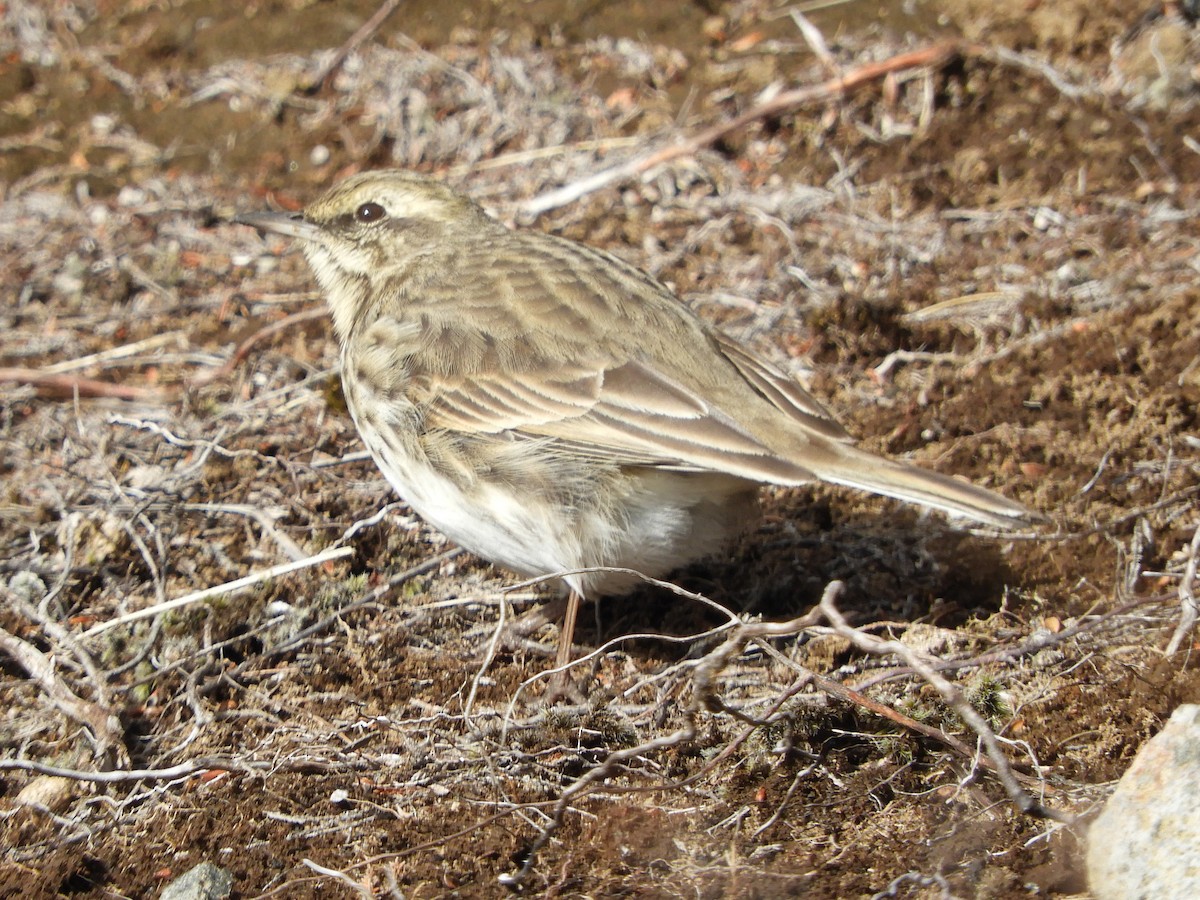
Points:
(370, 212)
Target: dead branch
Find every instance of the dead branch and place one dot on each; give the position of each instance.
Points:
(704, 696)
(340, 877)
(52, 382)
(1187, 597)
(363, 33)
(950, 695)
(66, 387)
(120, 776)
(221, 589)
(258, 337)
(934, 56)
(849, 695)
(101, 721)
(1036, 643)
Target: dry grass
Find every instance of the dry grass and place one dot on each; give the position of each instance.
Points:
(980, 262)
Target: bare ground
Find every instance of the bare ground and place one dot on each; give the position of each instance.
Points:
(985, 259)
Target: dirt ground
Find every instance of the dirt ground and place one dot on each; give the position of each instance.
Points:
(982, 256)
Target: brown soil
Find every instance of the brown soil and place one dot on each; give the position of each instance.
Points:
(988, 264)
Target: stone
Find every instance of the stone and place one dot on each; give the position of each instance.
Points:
(203, 882)
(1146, 842)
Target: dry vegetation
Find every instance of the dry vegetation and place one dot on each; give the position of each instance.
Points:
(220, 644)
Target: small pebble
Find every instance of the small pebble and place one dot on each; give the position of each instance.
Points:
(203, 882)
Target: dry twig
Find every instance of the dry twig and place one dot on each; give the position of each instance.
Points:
(101, 721)
(222, 589)
(243, 349)
(950, 695)
(363, 33)
(65, 387)
(704, 696)
(1187, 597)
(934, 56)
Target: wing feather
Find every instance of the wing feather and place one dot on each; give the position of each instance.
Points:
(628, 415)
(781, 390)
(577, 374)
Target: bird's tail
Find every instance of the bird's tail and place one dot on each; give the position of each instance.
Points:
(904, 481)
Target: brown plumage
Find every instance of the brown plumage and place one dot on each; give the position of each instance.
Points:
(551, 407)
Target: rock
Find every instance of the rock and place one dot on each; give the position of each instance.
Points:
(202, 882)
(1145, 842)
(49, 792)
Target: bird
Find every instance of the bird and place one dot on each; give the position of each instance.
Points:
(554, 409)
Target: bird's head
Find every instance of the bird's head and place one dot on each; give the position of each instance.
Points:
(367, 232)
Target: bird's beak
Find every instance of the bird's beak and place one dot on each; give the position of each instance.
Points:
(290, 224)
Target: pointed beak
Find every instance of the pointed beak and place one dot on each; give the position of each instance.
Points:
(289, 224)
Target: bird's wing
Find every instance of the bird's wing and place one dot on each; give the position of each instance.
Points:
(780, 389)
(628, 413)
(539, 338)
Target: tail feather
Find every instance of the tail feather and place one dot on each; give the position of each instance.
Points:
(904, 481)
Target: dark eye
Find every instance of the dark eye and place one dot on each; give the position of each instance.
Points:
(370, 212)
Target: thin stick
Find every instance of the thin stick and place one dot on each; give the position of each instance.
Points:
(1187, 597)
(704, 696)
(218, 590)
(290, 548)
(121, 775)
(244, 348)
(102, 722)
(52, 382)
(339, 876)
(67, 386)
(124, 351)
(933, 56)
(364, 32)
(374, 596)
(950, 695)
(488, 656)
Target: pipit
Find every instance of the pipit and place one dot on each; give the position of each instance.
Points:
(552, 408)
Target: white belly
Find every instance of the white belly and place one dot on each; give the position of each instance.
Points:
(648, 520)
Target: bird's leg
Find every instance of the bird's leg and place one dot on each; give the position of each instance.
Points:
(561, 687)
(516, 637)
(567, 635)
